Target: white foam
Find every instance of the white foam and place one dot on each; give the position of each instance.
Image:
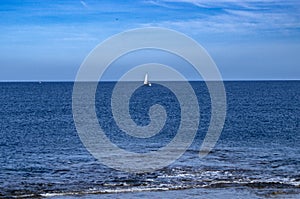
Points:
(109, 191)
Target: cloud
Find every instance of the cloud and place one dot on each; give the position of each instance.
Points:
(225, 3)
(79, 37)
(84, 4)
(234, 16)
(159, 3)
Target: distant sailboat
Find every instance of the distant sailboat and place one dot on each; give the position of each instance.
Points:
(146, 82)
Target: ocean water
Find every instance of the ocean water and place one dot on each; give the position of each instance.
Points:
(257, 155)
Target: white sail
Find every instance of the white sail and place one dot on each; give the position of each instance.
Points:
(146, 79)
(146, 82)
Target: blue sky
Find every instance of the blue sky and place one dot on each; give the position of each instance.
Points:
(250, 39)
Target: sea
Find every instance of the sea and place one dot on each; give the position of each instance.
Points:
(256, 156)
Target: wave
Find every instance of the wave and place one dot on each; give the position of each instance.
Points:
(272, 184)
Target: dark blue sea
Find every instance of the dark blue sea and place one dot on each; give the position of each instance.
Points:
(257, 155)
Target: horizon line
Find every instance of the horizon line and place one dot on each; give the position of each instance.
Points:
(72, 81)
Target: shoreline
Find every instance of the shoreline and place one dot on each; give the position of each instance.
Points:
(205, 193)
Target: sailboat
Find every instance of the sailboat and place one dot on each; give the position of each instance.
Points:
(146, 82)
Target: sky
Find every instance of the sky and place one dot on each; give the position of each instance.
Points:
(248, 40)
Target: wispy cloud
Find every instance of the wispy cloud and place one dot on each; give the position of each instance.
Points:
(225, 3)
(238, 23)
(159, 3)
(234, 16)
(79, 37)
(84, 4)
